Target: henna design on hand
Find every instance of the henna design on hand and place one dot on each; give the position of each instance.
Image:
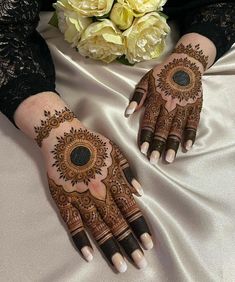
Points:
(100, 194)
(52, 121)
(172, 95)
(79, 155)
(178, 92)
(195, 53)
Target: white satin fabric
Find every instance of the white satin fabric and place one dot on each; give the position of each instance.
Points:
(190, 205)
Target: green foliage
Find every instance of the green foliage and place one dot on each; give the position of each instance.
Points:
(124, 61)
(54, 20)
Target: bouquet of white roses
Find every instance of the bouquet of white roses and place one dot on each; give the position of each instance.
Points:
(133, 30)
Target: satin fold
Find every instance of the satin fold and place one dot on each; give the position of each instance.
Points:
(189, 205)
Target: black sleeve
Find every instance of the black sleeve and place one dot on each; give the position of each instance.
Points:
(210, 18)
(47, 5)
(26, 66)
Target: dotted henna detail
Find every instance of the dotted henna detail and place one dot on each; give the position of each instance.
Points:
(69, 214)
(195, 53)
(52, 121)
(181, 80)
(79, 155)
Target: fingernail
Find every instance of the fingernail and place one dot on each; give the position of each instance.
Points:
(144, 148)
(137, 187)
(188, 145)
(155, 155)
(146, 241)
(119, 263)
(131, 108)
(170, 156)
(87, 253)
(139, 259)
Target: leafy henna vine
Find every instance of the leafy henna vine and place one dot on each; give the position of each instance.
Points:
(79, 155)
(52, 121)
(193, 52)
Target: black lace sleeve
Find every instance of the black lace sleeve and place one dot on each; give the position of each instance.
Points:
(26, 67)
(211, 18)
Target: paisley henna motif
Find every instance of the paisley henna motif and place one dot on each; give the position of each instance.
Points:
(52, 121)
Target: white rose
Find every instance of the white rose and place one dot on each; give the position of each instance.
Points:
(145, 39)
(92, 8)
(122, 16)
(144, 6)
(70, 23)
(102, 41)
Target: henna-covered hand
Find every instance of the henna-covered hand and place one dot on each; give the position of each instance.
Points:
(93, 186)
(172, 95)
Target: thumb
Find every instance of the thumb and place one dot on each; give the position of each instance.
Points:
(139, 95)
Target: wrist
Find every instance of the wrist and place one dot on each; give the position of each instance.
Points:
(42, 116)
(198, 48)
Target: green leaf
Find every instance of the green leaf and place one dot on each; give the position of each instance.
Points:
(124, 61)
(54, 20)
(163, 15)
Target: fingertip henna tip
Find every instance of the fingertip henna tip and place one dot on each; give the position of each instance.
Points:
(87, 253)
(189, 145)
(144, 148)
(137, 187)
(139, 259)
(170, 156)
(131, 108)
(119, 263)
(146, 241)
(155, 155)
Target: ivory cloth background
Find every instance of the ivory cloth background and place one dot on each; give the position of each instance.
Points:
(190, 205)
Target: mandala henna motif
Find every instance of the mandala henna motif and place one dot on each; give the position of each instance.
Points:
(181, 80)
(79, 155)
(52, 121)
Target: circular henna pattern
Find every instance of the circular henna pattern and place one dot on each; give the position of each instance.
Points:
(181, 80)
(79, 155)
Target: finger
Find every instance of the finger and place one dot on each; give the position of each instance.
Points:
(127, 173)
(175, 134)
(138, 96)
(99, 230)
(72, 218)
(151, 114)
(192, 125)
(126, 203)
(162, 129)
(112, 216)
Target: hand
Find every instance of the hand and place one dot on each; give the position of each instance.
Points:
(92, 185)
(172, 95)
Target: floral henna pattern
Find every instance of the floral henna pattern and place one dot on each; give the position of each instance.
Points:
(172, 95)
(193, 52)
(52, 121)
(101, 193)
(69, 214)
(79, 155)
(181, 80)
